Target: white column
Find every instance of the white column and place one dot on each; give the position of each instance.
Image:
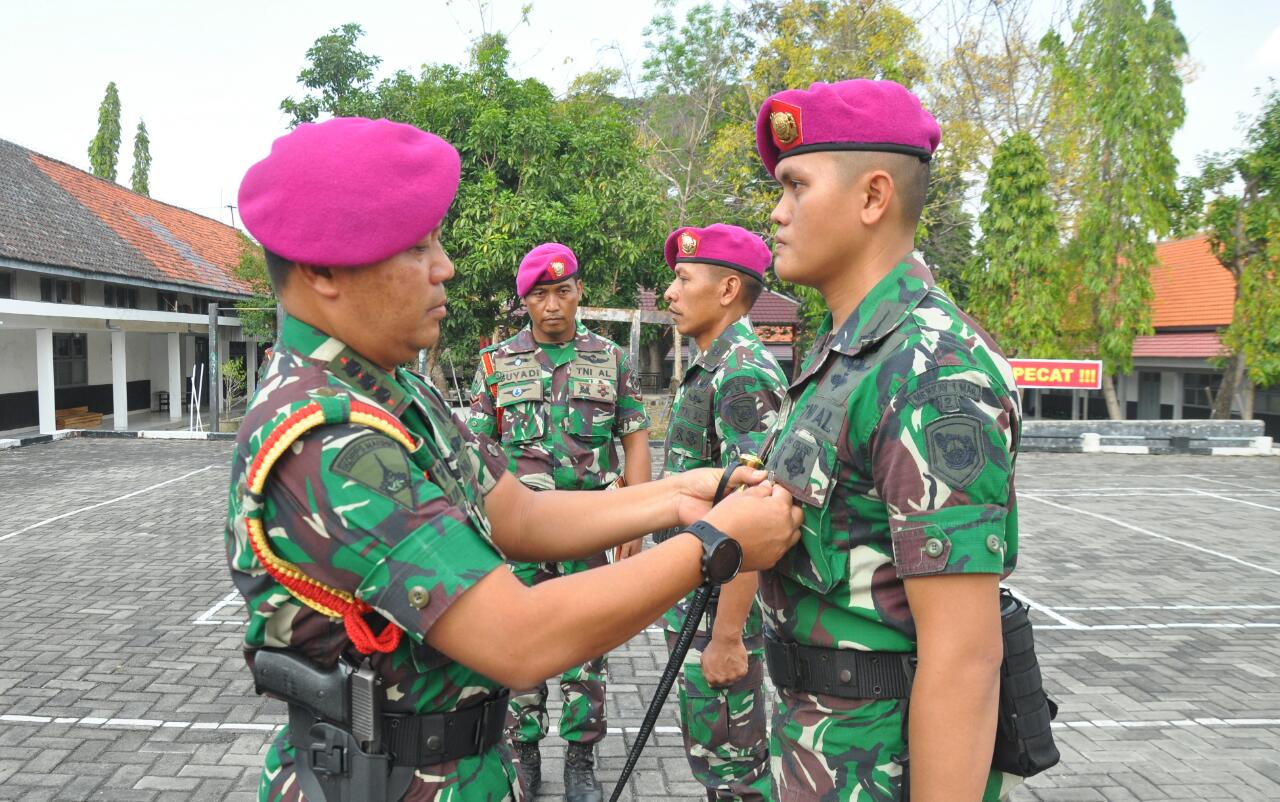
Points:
(119, 385)
(44, 380)
(175, 375)
(250, 367)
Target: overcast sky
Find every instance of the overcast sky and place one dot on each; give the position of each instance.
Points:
(208, 77)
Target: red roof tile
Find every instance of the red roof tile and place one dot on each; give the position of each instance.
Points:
(1192, 288)
(1190, 345)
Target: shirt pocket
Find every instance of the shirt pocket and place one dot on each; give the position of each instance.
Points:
(524, 415)
(806, 467)
(593, 405)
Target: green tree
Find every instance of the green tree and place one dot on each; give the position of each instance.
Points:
(104, 149)
(1243, 227)
(257, 314)
(1014, 280)
(140, 181)
(1119, 87)
(339, 72)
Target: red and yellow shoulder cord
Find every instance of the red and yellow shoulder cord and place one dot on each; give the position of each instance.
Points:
(486, 358)
(330, 601)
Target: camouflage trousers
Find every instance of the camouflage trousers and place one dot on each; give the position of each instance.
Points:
(725, 735)
(489, 776)
(828, 749)
(582, 716)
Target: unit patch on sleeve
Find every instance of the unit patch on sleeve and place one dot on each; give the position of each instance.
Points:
(378, 463)
(955, 449)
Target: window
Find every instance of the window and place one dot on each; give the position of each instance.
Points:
(167, 301)
(1199, 389)
(123, 297)
(6, 284)
(1266, 402)
(70, 360)
(61, 291)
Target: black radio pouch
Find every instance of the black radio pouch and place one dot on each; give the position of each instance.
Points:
(1024, 738)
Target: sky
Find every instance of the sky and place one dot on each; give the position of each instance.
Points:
(208, 77)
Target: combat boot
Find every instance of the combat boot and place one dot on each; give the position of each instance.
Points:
(580, 783)
(529, 766)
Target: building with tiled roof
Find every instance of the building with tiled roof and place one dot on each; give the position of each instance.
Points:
(104, 295)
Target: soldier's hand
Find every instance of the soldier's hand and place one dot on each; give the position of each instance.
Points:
(763, 520)
(698, 487)
(629, 549)
(724, 662)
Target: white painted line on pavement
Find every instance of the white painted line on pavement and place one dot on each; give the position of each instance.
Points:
(105, 503)
(1237, 500)
(1213, 723)
(1066, 623)
(1197, 607)
(1149, 533)
(144, 723)
(231, 599)
(1237, 485)
(1177, 625)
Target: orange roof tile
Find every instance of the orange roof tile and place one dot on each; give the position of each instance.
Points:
(1192, 288)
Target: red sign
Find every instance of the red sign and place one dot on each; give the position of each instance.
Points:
(1064, 374)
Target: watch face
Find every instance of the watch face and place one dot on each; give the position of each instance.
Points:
(724, 561)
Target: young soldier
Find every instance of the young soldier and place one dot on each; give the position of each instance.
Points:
(898, 439)
(560, 398)
(367, 528)
(727, 402)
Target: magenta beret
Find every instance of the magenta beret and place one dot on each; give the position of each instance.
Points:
(850, 115)
(349, 191)
(548, 263)
(719, 244)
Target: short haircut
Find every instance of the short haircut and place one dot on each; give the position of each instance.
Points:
(910, 177)
(751, 287)
(278, 269)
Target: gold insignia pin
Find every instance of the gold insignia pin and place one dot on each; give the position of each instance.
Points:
(688, 244)
(557, 269)
(784, 125)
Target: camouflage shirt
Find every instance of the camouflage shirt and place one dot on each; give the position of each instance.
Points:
(725, 406)
(405, 531)
(559, 414)
(898, 438)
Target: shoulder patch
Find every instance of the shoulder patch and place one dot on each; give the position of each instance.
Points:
(945, 394)
(954, 449)
(378, 463)
(740, 412)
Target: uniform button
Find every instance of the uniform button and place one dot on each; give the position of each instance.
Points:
(846, 675)
(994, 544)
(933, 547)
(418, 597)
(434, 743)
(327, 392)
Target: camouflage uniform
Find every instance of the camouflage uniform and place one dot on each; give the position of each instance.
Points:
(561, 410)
(404, 531)
(726, 404)
(899, 438)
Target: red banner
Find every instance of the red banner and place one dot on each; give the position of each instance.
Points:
(1063, 374)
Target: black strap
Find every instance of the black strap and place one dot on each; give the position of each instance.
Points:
(847, 673)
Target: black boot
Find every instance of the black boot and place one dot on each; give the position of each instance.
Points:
(529, 766)
(580, 783)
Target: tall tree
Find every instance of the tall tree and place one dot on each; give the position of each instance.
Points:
(104, 148)
(140, 181)
(339, 72)
(1014, 281)
(1243, 224)
(1119, 85)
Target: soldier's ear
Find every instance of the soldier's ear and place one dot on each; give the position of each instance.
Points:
(731, 289)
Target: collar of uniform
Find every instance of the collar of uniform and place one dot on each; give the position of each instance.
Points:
(362, 375)
(586, 340)
(715, 355)
(885, 307)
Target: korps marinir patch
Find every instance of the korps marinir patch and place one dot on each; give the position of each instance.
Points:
(556, 268)
(786, 124)
(688, 244)
(955, 449)
(378, 463)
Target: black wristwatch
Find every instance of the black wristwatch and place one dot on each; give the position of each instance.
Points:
(721, 554)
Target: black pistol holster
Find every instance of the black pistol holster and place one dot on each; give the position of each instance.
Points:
(346, 749)
(1024, 740)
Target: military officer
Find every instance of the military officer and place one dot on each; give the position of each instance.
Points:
(367, 528)
(560, 398)
(728, 400)
(898, 439)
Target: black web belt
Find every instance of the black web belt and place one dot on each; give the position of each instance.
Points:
(847, 673)
(425, 739)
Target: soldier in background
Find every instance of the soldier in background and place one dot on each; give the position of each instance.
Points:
(727, 402)
(898, 439)
(560, 399)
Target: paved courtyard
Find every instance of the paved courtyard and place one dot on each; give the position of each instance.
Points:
(1156, 582)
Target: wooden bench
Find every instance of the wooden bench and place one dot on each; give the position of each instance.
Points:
(77, 418)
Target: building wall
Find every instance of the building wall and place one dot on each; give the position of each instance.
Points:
(17, 361)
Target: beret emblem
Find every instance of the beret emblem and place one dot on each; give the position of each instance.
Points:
(688, 244)
(557, 268)
(784, 127)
